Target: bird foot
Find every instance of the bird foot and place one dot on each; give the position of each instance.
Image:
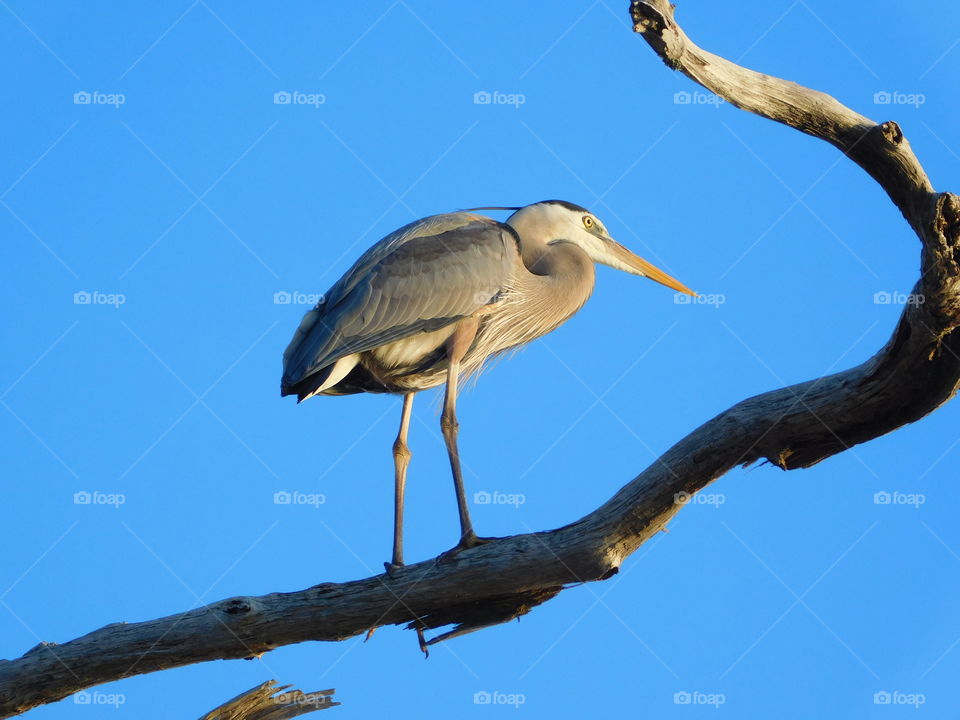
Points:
(422, 641)
(393, 568)
(466, 542)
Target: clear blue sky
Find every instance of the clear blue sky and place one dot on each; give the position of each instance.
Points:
(184, 190)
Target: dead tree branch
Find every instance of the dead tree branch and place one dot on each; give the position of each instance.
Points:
(795, 427)
(268, 701)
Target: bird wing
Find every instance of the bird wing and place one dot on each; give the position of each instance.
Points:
(426, 275)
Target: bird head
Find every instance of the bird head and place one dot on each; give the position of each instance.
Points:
(553, 220)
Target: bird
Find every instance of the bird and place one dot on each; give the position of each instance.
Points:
(432, 302)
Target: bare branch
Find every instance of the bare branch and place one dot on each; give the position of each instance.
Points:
(880, 150)
(914, 373)
(268, 701)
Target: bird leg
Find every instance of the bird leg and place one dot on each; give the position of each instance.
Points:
(401, 459)
(457, 347)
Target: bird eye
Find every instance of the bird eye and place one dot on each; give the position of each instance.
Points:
(587, 222)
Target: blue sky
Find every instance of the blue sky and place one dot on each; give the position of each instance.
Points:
(181, 198)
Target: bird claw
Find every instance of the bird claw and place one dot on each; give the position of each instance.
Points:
(392, 568)
(422, 641)
(467, 542)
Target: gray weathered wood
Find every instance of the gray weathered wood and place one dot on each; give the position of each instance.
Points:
(914, 373)
(269, 701)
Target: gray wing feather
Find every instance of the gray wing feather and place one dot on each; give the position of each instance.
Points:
(420, 278)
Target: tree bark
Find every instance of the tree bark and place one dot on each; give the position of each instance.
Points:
(795, 427)
(268, 701)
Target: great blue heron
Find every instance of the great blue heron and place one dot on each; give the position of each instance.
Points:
(432, 301)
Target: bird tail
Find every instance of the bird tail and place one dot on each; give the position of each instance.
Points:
(323, 379)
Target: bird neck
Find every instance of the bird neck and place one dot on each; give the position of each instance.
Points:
(545, 252)
(561, 279)
(561, 274)
(535, 232)
(562, 261)
(543, 296)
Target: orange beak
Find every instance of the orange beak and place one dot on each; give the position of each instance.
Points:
(636, 265)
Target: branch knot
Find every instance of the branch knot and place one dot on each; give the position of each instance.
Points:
(892, 132)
